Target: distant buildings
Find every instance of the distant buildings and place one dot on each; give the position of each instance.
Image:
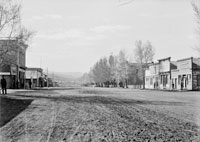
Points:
(182, 74)
(13, 67)
(34, 77)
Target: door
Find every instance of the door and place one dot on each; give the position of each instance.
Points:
(185, 81)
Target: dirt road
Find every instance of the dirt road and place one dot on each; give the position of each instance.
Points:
(100, 115)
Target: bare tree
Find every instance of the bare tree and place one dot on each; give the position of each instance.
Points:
(196, 8)
(9, 18)
(112, 65)
(144, 54)
(12, 33)
(101, 71)
(122, 74)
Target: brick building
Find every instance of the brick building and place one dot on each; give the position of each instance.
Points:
(13, 62)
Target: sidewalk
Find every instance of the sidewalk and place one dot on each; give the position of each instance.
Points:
(12, 91)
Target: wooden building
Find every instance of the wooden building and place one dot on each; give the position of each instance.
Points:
(183, 74)
(187, 74)
(165, 67)
(152, 76)
(34, 77)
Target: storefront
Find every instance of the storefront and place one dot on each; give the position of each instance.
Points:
(152, 76)
(187, 74)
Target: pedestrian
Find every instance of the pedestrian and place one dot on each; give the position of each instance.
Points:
(181, 84)
(3, 85)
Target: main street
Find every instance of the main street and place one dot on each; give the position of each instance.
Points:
(99, 115)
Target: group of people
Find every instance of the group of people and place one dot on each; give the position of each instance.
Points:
(3, 85)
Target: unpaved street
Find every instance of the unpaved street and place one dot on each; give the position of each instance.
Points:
(102, 115)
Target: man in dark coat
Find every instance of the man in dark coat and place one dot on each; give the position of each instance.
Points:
(3, 85)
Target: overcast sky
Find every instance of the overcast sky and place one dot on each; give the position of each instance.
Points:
(73, 34)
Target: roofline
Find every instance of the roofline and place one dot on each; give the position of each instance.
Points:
(155, 63)
(18, 42)
(185, 59)
(165, 59)
(40, 69)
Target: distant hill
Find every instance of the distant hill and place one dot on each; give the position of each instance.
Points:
(66, 79)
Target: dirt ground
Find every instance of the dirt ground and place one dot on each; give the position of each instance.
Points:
(100, 115)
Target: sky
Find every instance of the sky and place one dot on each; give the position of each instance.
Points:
(72, 35)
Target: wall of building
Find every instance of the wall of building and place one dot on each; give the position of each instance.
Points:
(164, 65)
(164, 74)
(174, 79)
(152, 77)
(15, 59)
(196, 80)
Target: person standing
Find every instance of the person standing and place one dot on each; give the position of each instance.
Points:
(3, 85)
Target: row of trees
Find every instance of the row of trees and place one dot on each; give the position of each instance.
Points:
(11, 29)
(115, 70)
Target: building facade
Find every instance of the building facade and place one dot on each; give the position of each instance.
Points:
(165, 67)
(196, 74)
(34, 77)
(152, 76)
(13, 64)
(182, 74)
(187, 74)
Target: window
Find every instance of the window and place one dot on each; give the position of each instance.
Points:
(189, 76)
(151, 81)
(198, 80)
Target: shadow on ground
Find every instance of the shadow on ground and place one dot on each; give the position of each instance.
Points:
(95, 99)
(10, 108)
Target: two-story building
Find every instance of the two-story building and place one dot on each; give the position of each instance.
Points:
(187, 74)
(152, 76)
(165, 67)
(183, 74)
(13, 62)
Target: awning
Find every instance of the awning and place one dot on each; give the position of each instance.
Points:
(4, 73)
